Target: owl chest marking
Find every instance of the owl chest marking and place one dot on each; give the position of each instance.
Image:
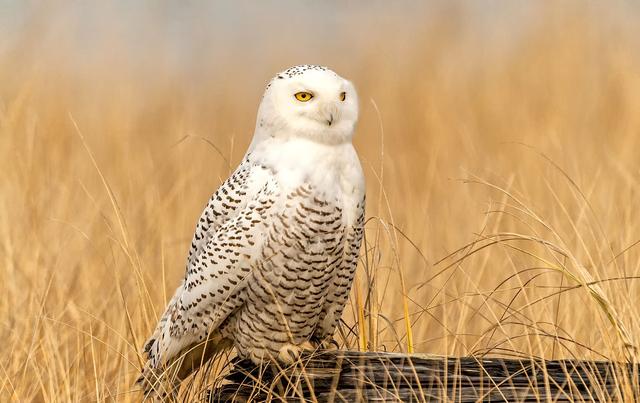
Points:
(303, 250)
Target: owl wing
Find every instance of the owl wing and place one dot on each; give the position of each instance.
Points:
(227, 241)
(224, 204)
(339, 290)
(232, 196)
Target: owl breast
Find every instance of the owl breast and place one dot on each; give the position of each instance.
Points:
(303, 252)
(299, 284)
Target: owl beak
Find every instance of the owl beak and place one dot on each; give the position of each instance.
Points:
(329, 113)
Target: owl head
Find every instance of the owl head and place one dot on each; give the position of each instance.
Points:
(308, 101)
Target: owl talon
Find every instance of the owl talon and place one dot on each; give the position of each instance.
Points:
(325, 344)
(289, 353)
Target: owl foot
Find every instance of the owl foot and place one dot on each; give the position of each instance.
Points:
(325, 344)
(289, 353)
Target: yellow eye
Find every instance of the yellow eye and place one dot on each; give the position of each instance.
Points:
(343, 96)
(303, 96)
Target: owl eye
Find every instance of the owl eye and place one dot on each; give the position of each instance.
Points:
(303, 96)
(343, 96)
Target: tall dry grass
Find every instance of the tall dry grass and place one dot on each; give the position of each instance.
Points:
(502, 166)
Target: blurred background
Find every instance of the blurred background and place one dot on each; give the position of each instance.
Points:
(500, 142)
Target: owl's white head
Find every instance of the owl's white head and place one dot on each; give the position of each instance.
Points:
(309, 102)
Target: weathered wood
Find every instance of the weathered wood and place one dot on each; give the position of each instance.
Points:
(348, 376)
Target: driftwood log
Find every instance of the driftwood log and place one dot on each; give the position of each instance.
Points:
(348, 376)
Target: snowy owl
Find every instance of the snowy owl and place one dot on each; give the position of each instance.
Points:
(275, 250)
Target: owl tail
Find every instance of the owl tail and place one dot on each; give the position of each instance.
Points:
(161, 382)
(158, 385)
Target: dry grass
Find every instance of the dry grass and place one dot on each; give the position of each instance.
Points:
(503, 182)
